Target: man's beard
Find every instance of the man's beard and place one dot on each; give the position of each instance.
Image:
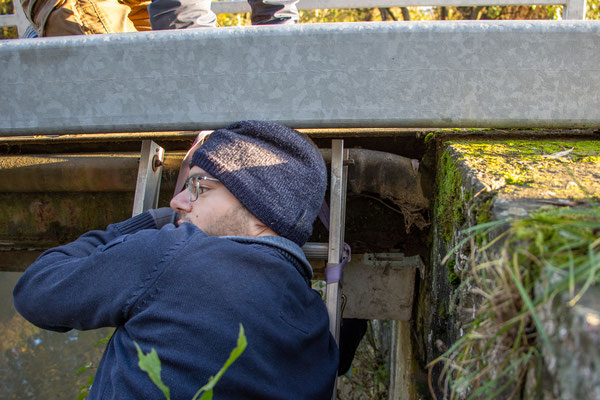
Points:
(233, 223)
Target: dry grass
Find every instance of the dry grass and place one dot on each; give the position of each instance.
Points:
(549, 253)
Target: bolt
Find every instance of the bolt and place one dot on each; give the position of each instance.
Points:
(156, 163)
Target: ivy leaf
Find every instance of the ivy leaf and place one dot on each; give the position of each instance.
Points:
(150, 364)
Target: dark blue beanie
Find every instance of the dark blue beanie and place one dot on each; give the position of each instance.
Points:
(277, 173)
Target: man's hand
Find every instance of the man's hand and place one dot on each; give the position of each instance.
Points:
(163, 216)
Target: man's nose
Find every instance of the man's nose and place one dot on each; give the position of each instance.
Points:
(181, 202)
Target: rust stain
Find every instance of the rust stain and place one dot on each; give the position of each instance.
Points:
(42, 212)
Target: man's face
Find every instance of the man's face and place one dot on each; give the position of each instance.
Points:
(216, 211)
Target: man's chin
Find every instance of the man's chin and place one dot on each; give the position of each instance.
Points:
(182, 220)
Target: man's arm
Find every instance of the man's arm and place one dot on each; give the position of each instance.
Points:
(93, 281)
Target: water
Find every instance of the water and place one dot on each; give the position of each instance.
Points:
(39, 364)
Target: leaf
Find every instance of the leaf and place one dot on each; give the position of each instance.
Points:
(208, 395)
(150, 364)
(84, 368)
(103, 340)
(559, 154)
(235, 353)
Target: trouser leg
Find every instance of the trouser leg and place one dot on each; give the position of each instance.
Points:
(139, 14)
(181, 14)
(268, 12)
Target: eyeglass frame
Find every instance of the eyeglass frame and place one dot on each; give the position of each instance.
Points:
(199, 177)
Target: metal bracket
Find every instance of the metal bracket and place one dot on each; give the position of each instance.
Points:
(149, 176)
(392, 260)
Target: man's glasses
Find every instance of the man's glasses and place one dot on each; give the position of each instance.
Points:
(193, 185)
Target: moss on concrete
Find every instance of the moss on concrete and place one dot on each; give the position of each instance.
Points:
(478, 180)
(534, 169)
(449, 200)
(428, 137)
(453, 278)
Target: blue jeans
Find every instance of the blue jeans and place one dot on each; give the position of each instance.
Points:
(181, 14)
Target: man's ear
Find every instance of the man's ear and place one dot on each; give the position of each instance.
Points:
(260, 229)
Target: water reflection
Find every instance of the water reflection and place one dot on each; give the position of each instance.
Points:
(35, 363)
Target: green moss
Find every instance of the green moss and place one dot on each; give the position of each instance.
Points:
(516, 179)
(442, 311)
(449, 202)
(428, 137)
(453, 278)
(544, 168)
(463, 130)
(533, 151)
(483, 213)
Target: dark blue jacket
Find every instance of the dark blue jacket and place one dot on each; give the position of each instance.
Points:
(185, 294)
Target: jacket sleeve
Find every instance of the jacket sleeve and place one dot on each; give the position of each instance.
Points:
(93, 281)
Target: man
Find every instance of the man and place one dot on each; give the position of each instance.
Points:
(88, 17)
(233, 256)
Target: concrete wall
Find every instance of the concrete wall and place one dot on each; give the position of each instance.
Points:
(481, 180)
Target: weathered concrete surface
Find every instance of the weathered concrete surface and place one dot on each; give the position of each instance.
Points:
(406, 74)
(573, 372)
(480, 181)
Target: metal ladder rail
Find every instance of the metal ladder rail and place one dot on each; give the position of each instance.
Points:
(149, 176)
(337, 218)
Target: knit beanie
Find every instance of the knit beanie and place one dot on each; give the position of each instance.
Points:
(276, 172)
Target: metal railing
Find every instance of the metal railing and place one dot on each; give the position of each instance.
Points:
(573, 9)
(17, 19)
(451, 74)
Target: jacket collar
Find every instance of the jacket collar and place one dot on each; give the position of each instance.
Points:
(282, 244)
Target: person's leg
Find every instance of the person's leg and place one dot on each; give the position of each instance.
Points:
(181, 14)
(88, 17)
(139, 14)
(270, 12)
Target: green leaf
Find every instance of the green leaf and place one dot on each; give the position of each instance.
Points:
(208, 395)
(103, 340)
(239, 349)
(84, 368)
(150, 364)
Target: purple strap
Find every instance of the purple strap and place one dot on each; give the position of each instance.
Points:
(334, 272)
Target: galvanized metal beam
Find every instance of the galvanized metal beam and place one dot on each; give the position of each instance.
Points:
(413, 74)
